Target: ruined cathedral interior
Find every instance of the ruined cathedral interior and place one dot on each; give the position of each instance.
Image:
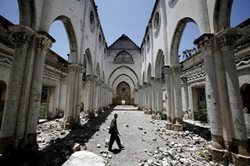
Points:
(170, 112)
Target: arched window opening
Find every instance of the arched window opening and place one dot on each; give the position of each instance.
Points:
(187, 48)
(10, 13)
(61, 46)
(239, 12)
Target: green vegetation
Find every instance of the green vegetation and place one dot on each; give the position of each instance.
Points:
(201, 115)
(42, 113)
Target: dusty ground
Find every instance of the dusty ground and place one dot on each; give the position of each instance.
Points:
(146, 141)
(134, 140)
(146, 146)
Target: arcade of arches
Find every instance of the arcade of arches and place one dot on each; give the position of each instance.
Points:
(211, 85)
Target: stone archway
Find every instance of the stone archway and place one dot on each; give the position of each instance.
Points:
(123, 93)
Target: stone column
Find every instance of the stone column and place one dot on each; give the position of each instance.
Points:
(22, 105)
(159, 103)
(185, 87)
(71, 116)
(167, 83)
(102, 96)
(177, 97)
(153, 95)
(226, 39)
(149, 94)
(94, 94)
(139, 97)
(97, 99)
(111, 96)
(89, 97)
(205, 44)
(144, 97)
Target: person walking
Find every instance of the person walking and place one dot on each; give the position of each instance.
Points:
(114, 134)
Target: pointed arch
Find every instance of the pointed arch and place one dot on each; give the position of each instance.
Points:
(159, 63)
(71, 37)
(149, 72)
(125, 68)
(98, 74)
(143, 77)
(123, 57)
(175, 43)
(88, 64)
(126, 75)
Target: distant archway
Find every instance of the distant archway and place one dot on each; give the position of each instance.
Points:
(123, 93)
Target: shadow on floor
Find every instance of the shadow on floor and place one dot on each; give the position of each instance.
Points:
(61, 149)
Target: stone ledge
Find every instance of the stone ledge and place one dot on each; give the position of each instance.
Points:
(202, 131)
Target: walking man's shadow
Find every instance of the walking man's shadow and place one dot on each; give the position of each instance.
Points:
(116, 151)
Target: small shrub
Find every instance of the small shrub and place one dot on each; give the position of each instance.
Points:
(42, 113)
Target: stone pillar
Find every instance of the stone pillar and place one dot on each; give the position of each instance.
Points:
(167, 83)
(205, 44)
(97, 99)
(226, 39)
(102, 95)
(18, 132)
(190, 101)
(177, 97)
(71, 116)
(186, 101)
(144, 97)
(140, 96)
(94, 94)
(89, 97)
(149, 94)
(159, 103)
(153, 95)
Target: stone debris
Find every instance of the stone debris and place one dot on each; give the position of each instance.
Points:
(76, 147)
(84, 158)
(140, 128)
(98, 146)
(181, 148)
(109, 156)
(50, 131)
(170, 148)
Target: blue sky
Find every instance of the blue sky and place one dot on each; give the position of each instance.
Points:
(119, 17)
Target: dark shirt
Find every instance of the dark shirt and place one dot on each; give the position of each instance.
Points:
(113, 127)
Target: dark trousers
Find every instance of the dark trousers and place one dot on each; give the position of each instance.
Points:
(114, 137)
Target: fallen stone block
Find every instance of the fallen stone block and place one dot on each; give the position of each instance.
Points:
(84, 158)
